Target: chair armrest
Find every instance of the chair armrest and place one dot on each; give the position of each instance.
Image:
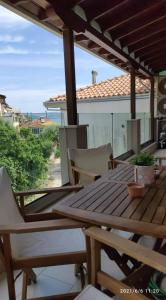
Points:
(40, 226)
(34, 217)
(95, 176)
(71, 188)
(140, 253)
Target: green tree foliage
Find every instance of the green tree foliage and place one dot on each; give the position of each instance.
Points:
(24, 155)
(51, 133)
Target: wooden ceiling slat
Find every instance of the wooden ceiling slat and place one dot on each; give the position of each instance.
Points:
(150, 41)
(150, 50)
(155, 55)
(125, 13)
(154, 61)
(18, 2)
(101, 7)
(143, 33)
(160, 64)
(155, 10)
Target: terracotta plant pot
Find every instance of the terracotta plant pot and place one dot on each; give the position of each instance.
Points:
(136, 190)
(144, 175)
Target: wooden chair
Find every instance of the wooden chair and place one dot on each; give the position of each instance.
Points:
(100, 280)
(88, 165)
(27, 242)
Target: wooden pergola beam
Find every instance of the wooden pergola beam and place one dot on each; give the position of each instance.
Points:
(152, 108)
(68, 42)
(118, 18)
(151, 51)
(154, 56)
(132, 93)
(142, 33)
(76, 23)
(146, 17)
(147, 42)
(18, 2)
(102, 8)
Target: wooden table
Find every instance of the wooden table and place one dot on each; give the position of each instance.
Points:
(106, 202)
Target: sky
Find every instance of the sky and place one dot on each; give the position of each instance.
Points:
(32, 65)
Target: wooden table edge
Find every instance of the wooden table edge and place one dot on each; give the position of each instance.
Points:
(120, 223)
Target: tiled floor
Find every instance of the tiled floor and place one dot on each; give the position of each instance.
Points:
(56, 280)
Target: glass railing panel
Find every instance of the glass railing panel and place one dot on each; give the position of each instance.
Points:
(120, 133)
(145, 126)
(107, 128)
(99, 129)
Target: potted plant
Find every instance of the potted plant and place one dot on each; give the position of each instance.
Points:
(144, 168)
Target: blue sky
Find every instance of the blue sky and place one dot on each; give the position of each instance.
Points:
(32, 66)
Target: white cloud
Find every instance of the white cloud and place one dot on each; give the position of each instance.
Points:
(7, 38)
(12, 50)
(11, 20)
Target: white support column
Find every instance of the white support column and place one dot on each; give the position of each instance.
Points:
(73, 136)
(133, 135)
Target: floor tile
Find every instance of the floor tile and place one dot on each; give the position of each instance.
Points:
(47, 286)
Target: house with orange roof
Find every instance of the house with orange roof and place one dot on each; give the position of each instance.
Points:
(105, 107)
(109, 96)
(38, 125)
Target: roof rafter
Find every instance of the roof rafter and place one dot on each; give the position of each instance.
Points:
(117, 17)
(150, 50)
(102, 7)
(145, 17)
(142, 32)
(146, 42)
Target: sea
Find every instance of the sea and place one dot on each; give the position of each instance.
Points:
(56, 117)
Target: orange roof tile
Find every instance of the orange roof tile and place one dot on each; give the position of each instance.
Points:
(38, 123)
(117, 86)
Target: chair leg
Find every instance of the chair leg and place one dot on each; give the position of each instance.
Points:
(82, 276)
(79, 272)
(9, 269)
(29, 276)
(11, 286)
(25, 285)
(32, 276)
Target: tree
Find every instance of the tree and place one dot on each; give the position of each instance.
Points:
(24, 155)
(51, 133)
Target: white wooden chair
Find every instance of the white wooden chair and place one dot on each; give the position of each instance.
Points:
(99, 279)
(27, 245)
(88, 165)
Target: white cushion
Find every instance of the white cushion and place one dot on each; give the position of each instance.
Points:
(9, 212)
(94, 160)
(48, 242)
(91, 293)
(38, 243)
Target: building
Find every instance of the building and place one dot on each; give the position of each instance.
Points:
(105, 107)
(9, 114)
(38, 125)
(109, 96)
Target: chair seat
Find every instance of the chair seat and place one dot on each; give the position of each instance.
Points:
(91, 293)
(47, 243)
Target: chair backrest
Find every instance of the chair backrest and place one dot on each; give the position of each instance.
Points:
(94, 160)
(9, 211)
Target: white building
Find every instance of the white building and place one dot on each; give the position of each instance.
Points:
(105, 106)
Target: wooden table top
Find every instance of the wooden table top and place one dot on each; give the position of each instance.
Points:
(106, 202)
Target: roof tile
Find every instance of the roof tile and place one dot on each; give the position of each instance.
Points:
(117, 86)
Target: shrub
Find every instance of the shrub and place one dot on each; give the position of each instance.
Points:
(143, 159)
